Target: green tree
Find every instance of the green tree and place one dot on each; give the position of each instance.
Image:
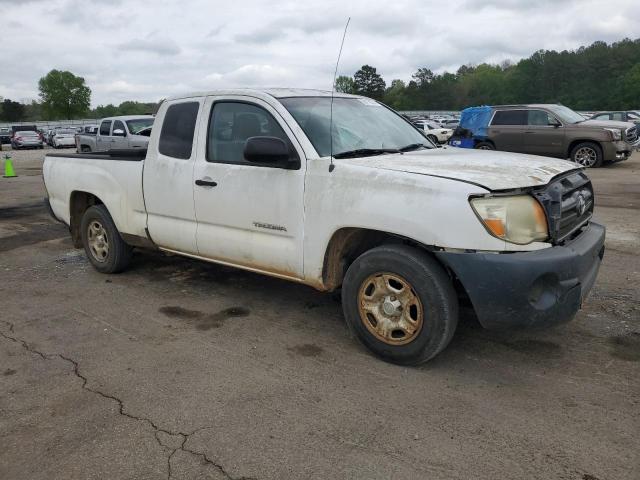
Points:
(64, 95)
(396, 96)
(345, 84)
(369, 83)
(630, 94)
(12, 111)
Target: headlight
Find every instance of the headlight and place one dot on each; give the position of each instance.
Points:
(615, 133)
(517, 219)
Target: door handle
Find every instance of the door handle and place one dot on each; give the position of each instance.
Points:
(206, 183)
(529, 131)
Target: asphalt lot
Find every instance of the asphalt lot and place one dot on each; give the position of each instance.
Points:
(188, 370)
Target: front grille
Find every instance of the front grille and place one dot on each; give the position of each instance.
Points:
(631, 134)
(568, 202)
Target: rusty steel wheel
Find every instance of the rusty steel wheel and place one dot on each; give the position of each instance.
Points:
(98, 241)
(400, 303)
(390, 309)
(104, 246)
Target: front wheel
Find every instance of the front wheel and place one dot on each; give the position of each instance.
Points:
(102, 242)
(400, 303)
(587, 154)
(433, 139)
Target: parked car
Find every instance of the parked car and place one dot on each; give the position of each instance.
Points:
(620, 116)
(64, 137)
(26, 139)
(253, 179)
(451, 123)
(433, 131)
(117, 133)
(5, 135)
(546, 129)
(89, 129)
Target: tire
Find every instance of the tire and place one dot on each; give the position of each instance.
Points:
(484, 146)
(85, 149)
(432, 307)
(587, 154)
(433, 138)
(117, 255)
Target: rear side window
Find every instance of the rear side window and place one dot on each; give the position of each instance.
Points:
(510, 117)
(618, 116)
(105, 127)
(176, 136)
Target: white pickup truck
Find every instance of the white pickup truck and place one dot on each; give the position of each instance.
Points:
(267, 181)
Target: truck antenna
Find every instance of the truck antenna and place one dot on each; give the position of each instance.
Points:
(333, 89)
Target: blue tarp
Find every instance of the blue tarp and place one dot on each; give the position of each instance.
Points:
(476, 120)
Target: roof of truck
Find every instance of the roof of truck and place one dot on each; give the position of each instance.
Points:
(127, 117)
(271, 92)
(527, 105)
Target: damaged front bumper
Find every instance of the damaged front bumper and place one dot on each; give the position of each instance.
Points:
(537, 288)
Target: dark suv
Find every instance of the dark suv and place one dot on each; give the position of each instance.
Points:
(558, 131)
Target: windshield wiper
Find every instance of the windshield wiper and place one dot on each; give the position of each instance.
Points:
(365, 152)
(412, 146)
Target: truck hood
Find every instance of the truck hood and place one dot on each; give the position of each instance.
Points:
(487, 168)
(604, 124)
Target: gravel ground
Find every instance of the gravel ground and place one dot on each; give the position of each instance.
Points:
(181, 369)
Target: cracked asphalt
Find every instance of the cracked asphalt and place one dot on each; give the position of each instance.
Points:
(186, 370)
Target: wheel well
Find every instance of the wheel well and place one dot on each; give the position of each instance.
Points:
(349, 243)
(585, 140)
(78, 204)
(486, 140)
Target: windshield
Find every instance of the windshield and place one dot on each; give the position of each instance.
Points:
(566, 114)
(27, 133)
(139, 124)
(66, 132)
(358, 124)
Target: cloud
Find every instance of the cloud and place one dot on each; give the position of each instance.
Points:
(131, 50)
(160, 46)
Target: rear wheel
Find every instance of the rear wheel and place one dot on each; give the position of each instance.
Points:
(587, 154)
(400, 303)
(484, 146)
(104, 246)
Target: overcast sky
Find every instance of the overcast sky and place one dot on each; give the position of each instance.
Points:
(147, 50)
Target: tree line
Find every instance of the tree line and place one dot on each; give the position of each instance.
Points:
(65, 96)
(600, 76)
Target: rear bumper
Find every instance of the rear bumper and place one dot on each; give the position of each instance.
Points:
(538, 288)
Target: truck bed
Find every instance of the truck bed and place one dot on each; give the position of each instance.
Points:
(116, 183)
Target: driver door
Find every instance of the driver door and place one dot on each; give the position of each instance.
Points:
(119, 141)
(248, 215)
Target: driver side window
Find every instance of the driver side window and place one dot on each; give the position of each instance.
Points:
(231, 124)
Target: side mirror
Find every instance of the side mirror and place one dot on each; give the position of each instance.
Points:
(271, 152)
(554, 123)
(119, 133)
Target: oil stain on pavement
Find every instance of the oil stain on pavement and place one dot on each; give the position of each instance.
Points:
(626, 347)
(203, 321)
